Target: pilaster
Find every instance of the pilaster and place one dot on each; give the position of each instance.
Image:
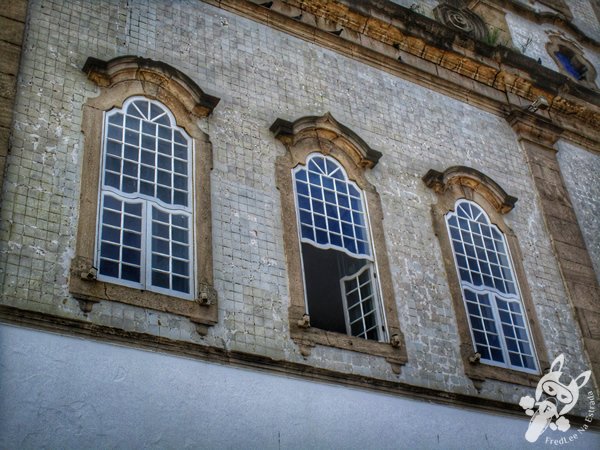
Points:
(537, 137)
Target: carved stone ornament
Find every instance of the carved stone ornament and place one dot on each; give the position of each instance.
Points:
(455, 15)
(326, 128)
(475, 180)
(125, 68)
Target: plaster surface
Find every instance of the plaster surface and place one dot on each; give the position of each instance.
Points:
(63, 392)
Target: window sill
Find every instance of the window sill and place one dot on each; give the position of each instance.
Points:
(480, 371)
(307, 338)
(200, 311)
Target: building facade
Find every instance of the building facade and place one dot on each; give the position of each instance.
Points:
(299, 224)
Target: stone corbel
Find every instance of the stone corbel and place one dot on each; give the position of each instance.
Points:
(533, 127)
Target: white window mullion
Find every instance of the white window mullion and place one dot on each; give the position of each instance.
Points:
(147, 244)
(503, 345)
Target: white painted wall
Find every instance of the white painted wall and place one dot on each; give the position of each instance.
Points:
(64, 392)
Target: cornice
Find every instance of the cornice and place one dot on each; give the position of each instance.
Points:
(557, 19)
(395, 39)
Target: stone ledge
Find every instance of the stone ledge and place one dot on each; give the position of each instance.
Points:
(144, 341)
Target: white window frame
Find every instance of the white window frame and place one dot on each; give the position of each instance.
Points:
(371, 264)
(374, 294)
(147, 203)
(492, 293)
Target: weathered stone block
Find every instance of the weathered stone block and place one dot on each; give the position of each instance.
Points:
(15, 9)
(11, 31)
(9, 63)
(7, 85)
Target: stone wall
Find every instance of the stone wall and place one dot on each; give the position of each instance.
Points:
(580, 169)
(12, 27)
(261, 74)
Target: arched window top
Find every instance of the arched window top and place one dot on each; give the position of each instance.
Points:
(471, 211)
(146, 154)
(481, 253)
(326, 166)
(150, 111)
(331, 207)
(181, 89)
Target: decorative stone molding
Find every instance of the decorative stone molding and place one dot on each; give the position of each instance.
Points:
(460, 182)
(456, 15)
(326, 135)
(474, 180)
(559, 44)
(326, 128)
(407, 44)
(534, 127)
(119, 79)
(559, 6)
(154, 73)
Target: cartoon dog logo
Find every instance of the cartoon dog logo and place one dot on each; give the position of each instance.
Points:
(551, 394)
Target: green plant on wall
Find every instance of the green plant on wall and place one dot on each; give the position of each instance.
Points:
(492, 37)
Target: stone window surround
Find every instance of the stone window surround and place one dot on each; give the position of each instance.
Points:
(554, 45)
(324, 134)
(460, 182)
(120, 79)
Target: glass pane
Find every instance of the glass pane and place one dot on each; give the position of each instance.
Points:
(160, 262)
(131, 256)
(160, 246)
(181, 267)
(160, 279)
(111, 218)
(134, 209)
(109, 268)
(164, 147)
(181, 284)
(180, 251)
(111, 234)
(113, 164)
(110, 251)
(130, 273)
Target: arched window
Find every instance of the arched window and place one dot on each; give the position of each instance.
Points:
(340, 283)
(144, 230)
(145, 237)
(341, 291)
(500, 337)
(489, 288)
(571, 61)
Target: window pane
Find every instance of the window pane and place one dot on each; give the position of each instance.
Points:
(109, 268)
(110, 251)
(130, 273)
(328, 190)
(181, 267)
(488, 267)
(160, 279)
(181, 284)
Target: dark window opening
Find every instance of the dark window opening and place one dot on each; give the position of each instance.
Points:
(340, 293)
(570, 63)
